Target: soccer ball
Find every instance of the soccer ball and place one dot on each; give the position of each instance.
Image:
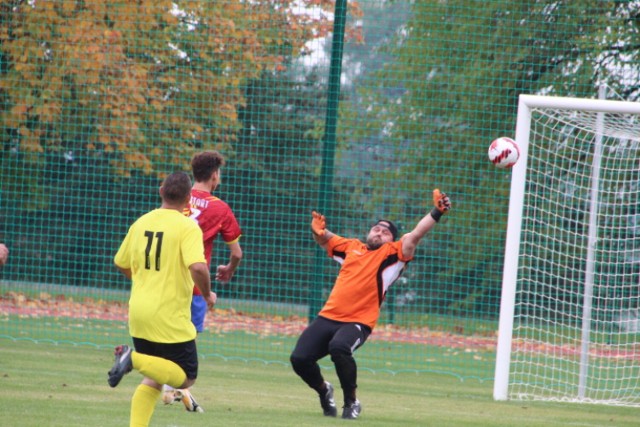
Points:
(504, 152)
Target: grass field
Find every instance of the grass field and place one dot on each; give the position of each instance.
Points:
(64, 385)
(250, 330)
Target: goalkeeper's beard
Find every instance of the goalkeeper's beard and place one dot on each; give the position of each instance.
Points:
(374, 243)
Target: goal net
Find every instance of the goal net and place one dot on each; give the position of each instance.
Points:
(570, 308)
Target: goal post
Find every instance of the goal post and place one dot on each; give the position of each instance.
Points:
(569, 326)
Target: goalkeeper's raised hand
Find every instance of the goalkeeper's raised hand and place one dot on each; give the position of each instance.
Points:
(318, 224)
(441, 204)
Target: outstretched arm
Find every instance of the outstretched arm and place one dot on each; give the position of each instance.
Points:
(410, 241)
(319, 229)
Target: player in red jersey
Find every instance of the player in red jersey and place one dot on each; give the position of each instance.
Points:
(214, 217)
(353, 307)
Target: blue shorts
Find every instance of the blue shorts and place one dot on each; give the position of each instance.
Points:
(198, 311)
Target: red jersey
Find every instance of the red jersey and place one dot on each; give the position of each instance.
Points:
(213, 216)
(363, 279)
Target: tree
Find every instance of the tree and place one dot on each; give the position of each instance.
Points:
(102, 98)
(453, 87)
(142, 83)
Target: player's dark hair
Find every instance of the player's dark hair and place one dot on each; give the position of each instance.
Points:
(205, 163)
(176, 187)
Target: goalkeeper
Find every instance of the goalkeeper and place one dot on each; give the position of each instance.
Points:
(353, 307)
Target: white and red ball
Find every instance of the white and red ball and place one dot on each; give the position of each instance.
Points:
(504, 152)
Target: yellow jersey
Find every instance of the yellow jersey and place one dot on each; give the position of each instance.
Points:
(159, 248)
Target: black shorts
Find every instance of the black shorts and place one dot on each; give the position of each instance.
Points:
(184, 354)
(323, 334)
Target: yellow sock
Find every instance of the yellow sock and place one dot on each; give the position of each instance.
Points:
(160, 370)
(143, 404)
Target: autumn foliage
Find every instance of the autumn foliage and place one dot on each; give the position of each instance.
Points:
(141, 82)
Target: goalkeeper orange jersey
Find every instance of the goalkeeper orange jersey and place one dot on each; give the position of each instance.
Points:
(363, 279)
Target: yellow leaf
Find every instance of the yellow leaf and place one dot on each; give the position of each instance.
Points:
(32, 144)
(157, 105)
(139, 98)
(19, 110)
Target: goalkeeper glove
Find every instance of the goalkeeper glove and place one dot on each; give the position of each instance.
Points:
(442, 204)
(318, 224)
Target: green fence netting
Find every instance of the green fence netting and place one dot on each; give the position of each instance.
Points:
(357, 109)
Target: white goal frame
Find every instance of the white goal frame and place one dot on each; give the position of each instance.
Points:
(514, 227)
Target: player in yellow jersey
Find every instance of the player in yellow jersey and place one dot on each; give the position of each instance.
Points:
(163, 255)
(345, 322)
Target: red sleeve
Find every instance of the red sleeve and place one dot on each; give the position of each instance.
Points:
(216, 218)
(230, 229)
